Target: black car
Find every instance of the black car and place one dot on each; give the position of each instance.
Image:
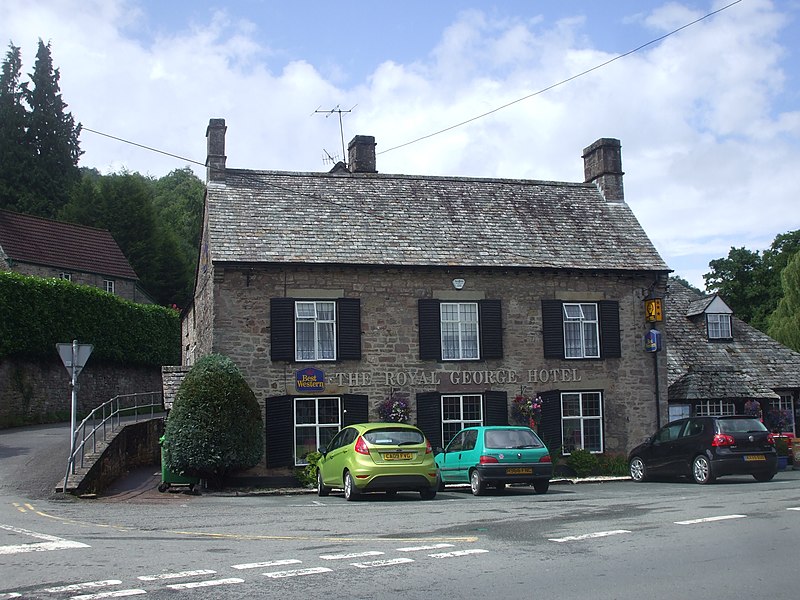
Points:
(706, 448)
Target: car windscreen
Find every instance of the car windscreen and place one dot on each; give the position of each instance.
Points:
(511, 438)
(740, 425)
(394, 437)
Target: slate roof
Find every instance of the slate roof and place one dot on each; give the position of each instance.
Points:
(44, 242)
(404, 220)
(752, 365)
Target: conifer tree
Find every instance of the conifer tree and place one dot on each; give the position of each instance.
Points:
(13, 154)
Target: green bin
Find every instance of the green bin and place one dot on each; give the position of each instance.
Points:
(168, 478)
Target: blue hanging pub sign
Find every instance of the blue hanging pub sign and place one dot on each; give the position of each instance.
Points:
(652, 341)
(309, 380)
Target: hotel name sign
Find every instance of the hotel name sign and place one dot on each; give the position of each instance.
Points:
(308, 380)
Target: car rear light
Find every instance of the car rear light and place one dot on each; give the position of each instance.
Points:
(770, 439)
(488, 459)
(546, 459)
(723, 439)
(361, 446)
(428, 449)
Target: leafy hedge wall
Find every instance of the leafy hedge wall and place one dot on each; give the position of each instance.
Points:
(36, 314)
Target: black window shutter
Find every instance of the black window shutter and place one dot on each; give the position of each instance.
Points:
(495, 408)
(550, 425)
(552, 329)
(356, 409)
(430, 332)
(429, 416)
(280, 431)
(281, 328)
(610, 345)
(349, 329)
(491, 323)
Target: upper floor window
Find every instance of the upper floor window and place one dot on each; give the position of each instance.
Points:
(308, 330)
(315, 330)
(108, 285)
(719, 326)
(65, 276)
(459, 330)
(581, 331)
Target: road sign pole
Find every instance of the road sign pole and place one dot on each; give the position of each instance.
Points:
(74, 398)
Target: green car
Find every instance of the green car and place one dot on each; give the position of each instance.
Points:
(378, 457)
(495, 456)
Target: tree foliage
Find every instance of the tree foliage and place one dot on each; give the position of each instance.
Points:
(12, 129)
(784, 323)
(215, 426)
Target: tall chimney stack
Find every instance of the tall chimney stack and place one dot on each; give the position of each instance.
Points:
(602, 165)
(215, 155)
(361, 154)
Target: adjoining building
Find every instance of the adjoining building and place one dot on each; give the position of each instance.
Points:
(335, 291)
(720, 365)
(85, 255)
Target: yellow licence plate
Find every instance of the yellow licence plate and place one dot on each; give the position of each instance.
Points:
(519, 471)
(398, 456)
(750, 457)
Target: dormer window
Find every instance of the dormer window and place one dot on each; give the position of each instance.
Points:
(719, 326)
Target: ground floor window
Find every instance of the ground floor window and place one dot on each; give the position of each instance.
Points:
(459, 411)
(679, 411)
(316, 421)
(714, 408)
(582, 421)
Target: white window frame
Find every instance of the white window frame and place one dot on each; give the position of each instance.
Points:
(108, 285)
(679, 411)
(719, 326)
(455, 425)
(463, 328)
(714, 408)
(581, 420)
(65, 276)
(318, 325)
(335, 427)
(574, 313)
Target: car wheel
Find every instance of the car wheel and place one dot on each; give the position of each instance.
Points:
(637, 469)
(701, 470)
(322, 489)
(763, 476)
(541, 486)
(427, 493)
(477, 483)
(163, 487)
(350, 489)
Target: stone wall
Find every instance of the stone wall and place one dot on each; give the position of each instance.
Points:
(34, 391)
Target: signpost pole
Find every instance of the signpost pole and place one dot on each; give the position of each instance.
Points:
(74, 410)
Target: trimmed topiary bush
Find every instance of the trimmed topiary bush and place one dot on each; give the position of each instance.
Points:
(215, 426)
(583, 462)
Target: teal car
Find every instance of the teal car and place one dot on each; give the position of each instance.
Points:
(378, 457)
(494, 456)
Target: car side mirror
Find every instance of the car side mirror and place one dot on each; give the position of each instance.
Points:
(322, 450)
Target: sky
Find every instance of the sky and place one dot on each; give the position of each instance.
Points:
(708, 117)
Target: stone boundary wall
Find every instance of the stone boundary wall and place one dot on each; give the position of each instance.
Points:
(33, 391)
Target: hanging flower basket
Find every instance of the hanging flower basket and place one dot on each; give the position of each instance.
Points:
(395, 409)
(527, 410)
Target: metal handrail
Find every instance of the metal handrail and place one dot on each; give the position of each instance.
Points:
(106, 418)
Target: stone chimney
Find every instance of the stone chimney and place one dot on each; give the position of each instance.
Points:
(361, 154)
(215, 154)
(602, 165)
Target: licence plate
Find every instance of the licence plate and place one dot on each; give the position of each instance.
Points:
(756, 457)
(519, 471)
(398, 456)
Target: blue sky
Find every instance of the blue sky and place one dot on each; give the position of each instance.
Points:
(708, 118)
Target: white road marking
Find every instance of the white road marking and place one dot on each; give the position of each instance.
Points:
(710, 519)
(298, 572)
(382, 563)
(268, 563)
(429, 547)
(51, 542)
(114, 594)
(176, 575)
(88, 585)
(794, 508)
(457, 553)
(10, 595)
(352, 555)
(209, 583)
(588, 536)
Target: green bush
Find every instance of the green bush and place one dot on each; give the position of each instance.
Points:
(215, 426)
(307, 476)
(583, 462)
(615, 465)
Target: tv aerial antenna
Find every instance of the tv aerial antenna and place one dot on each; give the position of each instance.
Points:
(327, 114)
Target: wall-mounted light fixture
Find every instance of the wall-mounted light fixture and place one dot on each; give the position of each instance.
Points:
(458, 283)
